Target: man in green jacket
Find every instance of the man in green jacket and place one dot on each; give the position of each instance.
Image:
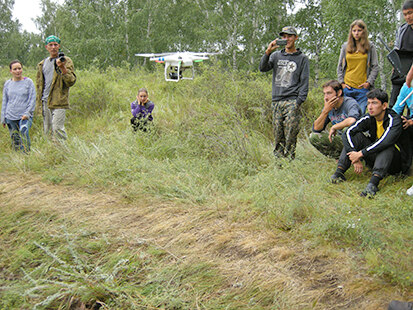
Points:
(55, 75)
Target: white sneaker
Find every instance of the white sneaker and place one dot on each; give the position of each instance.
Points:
(410, 191)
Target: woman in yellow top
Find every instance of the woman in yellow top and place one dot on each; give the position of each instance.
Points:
(358, 65)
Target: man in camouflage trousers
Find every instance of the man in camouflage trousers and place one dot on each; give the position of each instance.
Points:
(289, 89)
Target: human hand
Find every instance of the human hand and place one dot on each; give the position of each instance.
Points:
(407, 122)
(358, 167)
(345, 85)
(330, 104)
(60, 63)
(355, 156)
(4, 125)
(332, 133)
(365, 85)
(272, 47)
(24, 117)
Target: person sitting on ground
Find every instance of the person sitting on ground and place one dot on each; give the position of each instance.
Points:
(341, 111)
(141, 110)
(379, 140)
(19, 100)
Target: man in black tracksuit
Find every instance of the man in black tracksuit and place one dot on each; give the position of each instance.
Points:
(377, 138)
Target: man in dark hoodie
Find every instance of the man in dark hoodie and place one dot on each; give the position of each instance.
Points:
(379, 140)
(291, 73)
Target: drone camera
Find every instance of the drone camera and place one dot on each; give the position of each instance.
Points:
(173, 75)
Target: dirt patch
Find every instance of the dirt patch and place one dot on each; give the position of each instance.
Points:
(247, 254)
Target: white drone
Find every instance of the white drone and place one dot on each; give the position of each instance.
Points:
(176, 63)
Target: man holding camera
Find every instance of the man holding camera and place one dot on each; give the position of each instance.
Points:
(55, 75)
(290, 78)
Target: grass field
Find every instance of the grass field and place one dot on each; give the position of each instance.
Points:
(223, 225)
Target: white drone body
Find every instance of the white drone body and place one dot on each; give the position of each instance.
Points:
(176, 63)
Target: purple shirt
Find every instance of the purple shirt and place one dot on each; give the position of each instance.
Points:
(142, 111)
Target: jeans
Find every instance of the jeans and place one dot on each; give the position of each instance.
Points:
(19, 133)
(359, 95)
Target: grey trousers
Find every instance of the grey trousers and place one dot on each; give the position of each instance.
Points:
(54, 122)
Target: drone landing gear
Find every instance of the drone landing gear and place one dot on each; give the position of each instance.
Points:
(176, 73)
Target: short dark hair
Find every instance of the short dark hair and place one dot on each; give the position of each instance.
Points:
(407, 5)
(334, 84)
(16, 61)
(379, 94)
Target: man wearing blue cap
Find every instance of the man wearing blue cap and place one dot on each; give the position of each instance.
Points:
(55, 75)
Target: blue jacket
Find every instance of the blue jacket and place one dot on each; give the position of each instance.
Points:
(404, 92)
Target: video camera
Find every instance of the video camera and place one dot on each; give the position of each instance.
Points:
(61, 56)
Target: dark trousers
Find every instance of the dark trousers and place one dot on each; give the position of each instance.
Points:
(387, 161)
(139, 124)
(395, 90)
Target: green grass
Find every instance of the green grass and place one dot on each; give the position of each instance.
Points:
(50, 266)
(211, 144)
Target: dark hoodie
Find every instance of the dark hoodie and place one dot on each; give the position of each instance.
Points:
(393, 134)
(290, 77)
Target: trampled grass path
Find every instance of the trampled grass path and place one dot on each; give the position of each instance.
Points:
(245, 252)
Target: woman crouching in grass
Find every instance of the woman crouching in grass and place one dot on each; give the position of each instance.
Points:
(141, 110)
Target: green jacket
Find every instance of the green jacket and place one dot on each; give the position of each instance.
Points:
(59, 91)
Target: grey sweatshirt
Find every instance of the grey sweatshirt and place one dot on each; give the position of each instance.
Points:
(291, 73)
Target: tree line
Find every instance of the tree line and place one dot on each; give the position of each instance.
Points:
(103, 33)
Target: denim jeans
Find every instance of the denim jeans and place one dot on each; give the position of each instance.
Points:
(19, 133)
(360, 95)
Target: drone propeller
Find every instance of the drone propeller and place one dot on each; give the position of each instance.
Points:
(154, 55)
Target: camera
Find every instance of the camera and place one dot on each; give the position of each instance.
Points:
(61, 56)
(281, 42)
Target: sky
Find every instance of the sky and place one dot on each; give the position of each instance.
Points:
(25, 11)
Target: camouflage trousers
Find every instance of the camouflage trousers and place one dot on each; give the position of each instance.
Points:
(286, 123)
(321, 142)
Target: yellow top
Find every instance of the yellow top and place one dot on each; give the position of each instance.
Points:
(380, 129)
(356, 71)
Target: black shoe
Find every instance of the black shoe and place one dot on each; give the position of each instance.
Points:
(337, 178)
(399, 305)
(370, 191)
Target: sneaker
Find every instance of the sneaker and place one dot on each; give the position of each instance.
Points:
(410, 191)
(370, 191)
(337, 177)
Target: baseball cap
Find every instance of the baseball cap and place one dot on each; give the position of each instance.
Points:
(288, 30)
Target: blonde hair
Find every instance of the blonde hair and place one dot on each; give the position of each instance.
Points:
(364, 40)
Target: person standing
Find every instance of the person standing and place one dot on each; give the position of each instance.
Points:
(405, 99)
(358, 66)
(404, 47)
(55, 75)
(19, 97)
(290, 79)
